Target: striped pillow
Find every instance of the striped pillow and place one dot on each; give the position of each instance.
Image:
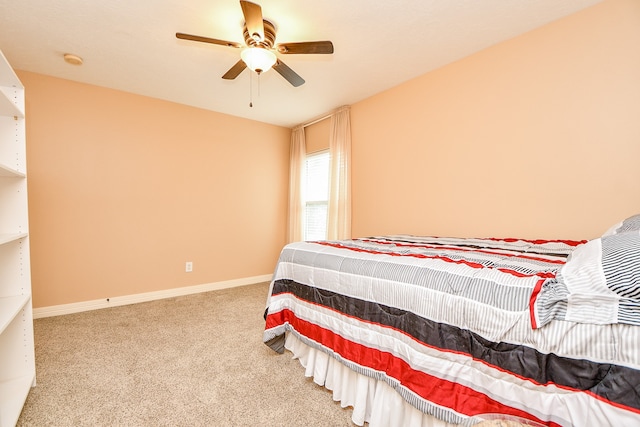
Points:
(602, 278)
(630, 224)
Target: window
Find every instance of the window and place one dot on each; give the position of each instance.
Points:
(316, 194)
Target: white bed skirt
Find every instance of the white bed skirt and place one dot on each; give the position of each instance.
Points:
(373, 401)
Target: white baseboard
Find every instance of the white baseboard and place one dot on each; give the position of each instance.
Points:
(77, 307)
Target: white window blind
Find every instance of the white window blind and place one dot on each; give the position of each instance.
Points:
(316, 193)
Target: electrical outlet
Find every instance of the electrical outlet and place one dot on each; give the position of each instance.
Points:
(188, 267)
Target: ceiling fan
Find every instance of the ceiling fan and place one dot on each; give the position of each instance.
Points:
(258, 53)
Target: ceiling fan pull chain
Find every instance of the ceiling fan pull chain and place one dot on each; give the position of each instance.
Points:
(250, 90)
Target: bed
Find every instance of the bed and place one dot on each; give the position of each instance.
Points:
(433, 331)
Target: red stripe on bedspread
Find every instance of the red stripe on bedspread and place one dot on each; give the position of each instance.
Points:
(532, 303)
(538, 241)
(458, 397)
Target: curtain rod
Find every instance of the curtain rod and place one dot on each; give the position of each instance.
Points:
(316, 120)
(321, 118)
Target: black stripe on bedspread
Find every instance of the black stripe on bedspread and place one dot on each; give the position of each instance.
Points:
(609, 382)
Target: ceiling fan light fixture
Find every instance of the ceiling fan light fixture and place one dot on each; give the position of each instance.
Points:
(258, 59)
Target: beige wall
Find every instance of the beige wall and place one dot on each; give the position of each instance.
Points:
(316, 136)
(535, 137)
(124, 189)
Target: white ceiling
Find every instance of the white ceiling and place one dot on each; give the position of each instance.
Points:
(130, 45)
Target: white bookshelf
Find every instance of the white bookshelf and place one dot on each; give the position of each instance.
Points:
(17, 359)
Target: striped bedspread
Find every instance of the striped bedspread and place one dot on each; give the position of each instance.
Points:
(448, 323)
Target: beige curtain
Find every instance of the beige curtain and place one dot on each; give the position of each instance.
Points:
(297, 154)
(339, 226)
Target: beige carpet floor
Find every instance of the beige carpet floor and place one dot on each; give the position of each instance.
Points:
(196, 360)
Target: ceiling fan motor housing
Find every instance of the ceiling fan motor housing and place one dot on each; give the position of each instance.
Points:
(269, 36)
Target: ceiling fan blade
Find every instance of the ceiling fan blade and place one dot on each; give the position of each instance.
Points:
(253, 20)
(325, 47)
(207, 40)
(288, 73)
(235, 70)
